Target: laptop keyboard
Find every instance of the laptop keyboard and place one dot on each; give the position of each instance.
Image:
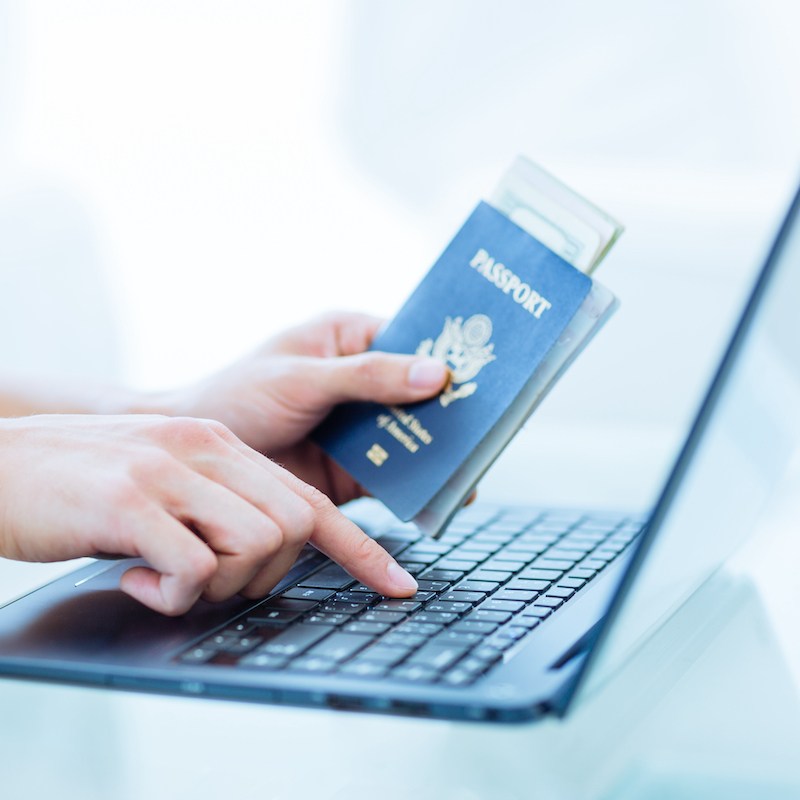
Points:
(491, 579)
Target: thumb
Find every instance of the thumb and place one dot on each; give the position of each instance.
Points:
(382, 378)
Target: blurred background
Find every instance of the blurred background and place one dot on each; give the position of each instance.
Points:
(178, 181)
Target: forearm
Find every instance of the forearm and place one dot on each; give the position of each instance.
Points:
(23, 396)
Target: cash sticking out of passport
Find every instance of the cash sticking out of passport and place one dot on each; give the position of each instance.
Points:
(507, 306)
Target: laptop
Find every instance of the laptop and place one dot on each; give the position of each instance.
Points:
(520, 610)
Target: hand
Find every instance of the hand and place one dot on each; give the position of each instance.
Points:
(275, 397)
(211, 516)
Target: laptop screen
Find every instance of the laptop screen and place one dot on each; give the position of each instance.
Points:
(745, 433)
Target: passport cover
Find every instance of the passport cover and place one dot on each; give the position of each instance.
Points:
(492, 307)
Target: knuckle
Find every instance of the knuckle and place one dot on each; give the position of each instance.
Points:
(363, 551)
(200, 565)
(368, 372)
(191, 433)
(269, 539)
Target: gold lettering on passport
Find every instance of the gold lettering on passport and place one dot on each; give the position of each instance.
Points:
(412, 424)
(510, 283)
(387, 423)
(465, 348)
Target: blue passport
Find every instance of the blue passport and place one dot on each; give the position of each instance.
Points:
(492, 307)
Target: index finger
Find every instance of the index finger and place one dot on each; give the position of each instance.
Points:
(340, 538)
(343, 541)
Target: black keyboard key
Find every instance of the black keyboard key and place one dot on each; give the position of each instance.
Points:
(307, 593)
(551, 564)
(462, 597)
(427, 546)
(438, 656)
(501, 605)
(423, 597)
(364, 669)
(489, 616)
(437, 617)
(513, 632)
(310, 664)
(338, 646)
(448, 608)
(381, 654)
(584, 573)
(572, 583)
(295, 640)
(356, 597)
(433, 586)
(549, 602)
(241, 646)
(415, 557)
(424, 628)
(460, 564)
(492, 575)
(528, 585)
(539, 612)
(515, 595)
(282, 604)
(413, 567)
(392, 617)
(449, 575)
(334, 620)
(536, 574)
(263, 661)
(322, 580)
(198, 655)
(335, 607)
(560, 591)
(276, 616)
(401, 606)
(486, 587)
(394, 545)
(461, 638)
(403, 639)
(469, 626)
(414, 674)
(367, 628)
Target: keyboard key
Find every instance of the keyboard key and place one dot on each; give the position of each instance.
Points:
(392, 617)
(491, 575)
(316, 666)
(501, 605)
(449, 575)
(470, 626)
(335, 607)
(415, 557)
(338, 646)
(263, 661)
(550, 602)
(397, 544)
(381, 654)
(457, 677)
(324, 579)
(560, 591)
(488, 616)
(307, 593)
(241, 646)
(356, 597)
(460, 638)
(584, 573)
(592, 563)
(551, 564)
(283, 604)
(527, 585)
(403, 639)
(402, 606)
(572, 583)
(278, 616)
(437, 617)
(461, 564)
(537, 574)
(437, 655)
(423, 597)
(294, 640)
(414, 674)
(515, 595)
(364, 669)
(367, 628)
(487, 587)
(413, 567)
(512, 632)
(333, 620)
(448, 608)
(433, 586)
(540, 612)
(424, 628)
(198, 655)
(462, 597)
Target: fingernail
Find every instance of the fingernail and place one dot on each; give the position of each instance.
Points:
(400, 578)
(427, 373)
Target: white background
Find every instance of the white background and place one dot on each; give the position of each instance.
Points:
(178, 180)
